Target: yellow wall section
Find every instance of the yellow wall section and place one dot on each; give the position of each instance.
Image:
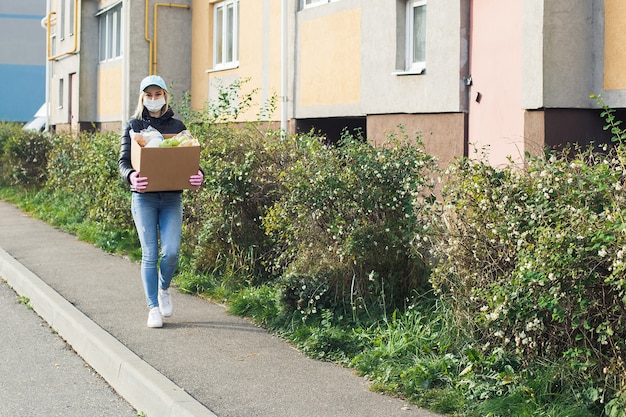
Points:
(614, 44)
(330, 60)
(201, 50)
(110, 92)
(251, 52)
(259, 61)
(259, 53)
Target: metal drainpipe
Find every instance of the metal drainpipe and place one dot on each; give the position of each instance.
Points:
(146, 13)
(48, 63)
(125, 62)
(468, 80)
(284, 84)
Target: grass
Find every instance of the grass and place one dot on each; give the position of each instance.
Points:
(25, 301)
(61, 212)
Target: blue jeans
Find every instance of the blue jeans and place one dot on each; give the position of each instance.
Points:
(158, 216)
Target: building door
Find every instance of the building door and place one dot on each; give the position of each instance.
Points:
(73, 102)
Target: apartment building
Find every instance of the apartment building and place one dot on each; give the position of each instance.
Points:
(22, 59)
(98, 52)
(511, 77)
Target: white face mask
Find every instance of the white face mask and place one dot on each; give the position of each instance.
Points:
(154, 105)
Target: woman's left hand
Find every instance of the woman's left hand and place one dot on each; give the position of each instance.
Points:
(196, 180)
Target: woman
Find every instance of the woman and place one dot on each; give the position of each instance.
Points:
(158, 216)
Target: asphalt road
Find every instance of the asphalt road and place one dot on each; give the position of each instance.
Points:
(40, 375)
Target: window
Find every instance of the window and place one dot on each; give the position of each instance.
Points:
(71, 18)
(53, 41)
(416, 36)
(226, 34)
(62, 20)
(110, 27)
(61, 92)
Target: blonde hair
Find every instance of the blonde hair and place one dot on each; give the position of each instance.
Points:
(139, 110)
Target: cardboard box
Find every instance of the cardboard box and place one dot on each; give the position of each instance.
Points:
(167, 169)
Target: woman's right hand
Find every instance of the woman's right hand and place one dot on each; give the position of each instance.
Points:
(140, 183)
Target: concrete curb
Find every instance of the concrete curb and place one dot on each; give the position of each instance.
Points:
(146, 389)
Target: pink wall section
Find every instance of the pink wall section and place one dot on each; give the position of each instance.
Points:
(495, 67)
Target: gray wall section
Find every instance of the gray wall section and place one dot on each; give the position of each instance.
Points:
(88, 62)
(532, 54)
(440, 89)
(434, 91)
(568, 55)
(136, 51)
(173, 48)
(563, 54)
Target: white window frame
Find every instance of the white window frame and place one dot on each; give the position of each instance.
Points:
(110, 33)
(413, 63)
(312, 3)
(225, 35)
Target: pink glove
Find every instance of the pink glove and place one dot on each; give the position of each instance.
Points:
(196, 180)
(140, 183)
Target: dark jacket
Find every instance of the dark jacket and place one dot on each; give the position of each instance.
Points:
(166, 124)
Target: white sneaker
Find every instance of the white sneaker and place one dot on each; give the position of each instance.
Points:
(154, 318)
(165, 303)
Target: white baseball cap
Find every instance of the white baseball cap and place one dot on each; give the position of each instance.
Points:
(152, 80)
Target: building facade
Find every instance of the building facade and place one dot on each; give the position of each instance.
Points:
(98, 52)
(510, 77)
(22, 59)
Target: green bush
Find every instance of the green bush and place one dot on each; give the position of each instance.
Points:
(7, 130)
(23, 156)
(83, 179)
(223, 220)
(84, 168)
(344, 226)
(329, 225)
(533, 259)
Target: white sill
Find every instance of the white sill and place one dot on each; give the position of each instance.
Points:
(409, 72)
(224, 67)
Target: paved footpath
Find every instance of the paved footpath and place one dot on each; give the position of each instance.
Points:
(202, 363)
